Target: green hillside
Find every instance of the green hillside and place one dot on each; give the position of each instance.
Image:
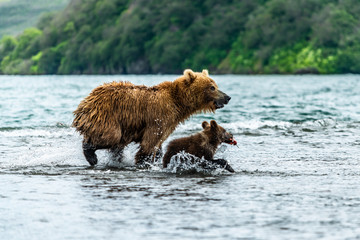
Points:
(16, 15)
(161, 36)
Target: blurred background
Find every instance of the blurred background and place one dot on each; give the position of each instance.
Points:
(160, 36)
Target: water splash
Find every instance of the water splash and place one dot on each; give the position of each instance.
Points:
(185, 163)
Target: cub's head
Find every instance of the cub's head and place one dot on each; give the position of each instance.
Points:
(216, 133)
(201, 92)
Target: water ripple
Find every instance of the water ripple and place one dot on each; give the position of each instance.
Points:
(297, 165)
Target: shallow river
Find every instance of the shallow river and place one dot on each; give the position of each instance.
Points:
(297, 165)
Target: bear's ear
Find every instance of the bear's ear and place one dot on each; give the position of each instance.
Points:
(205, 72)
(205, 124)
(189, 75)
(213, 124)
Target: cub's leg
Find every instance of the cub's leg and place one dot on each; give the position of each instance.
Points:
(223, 163)
(166, 159)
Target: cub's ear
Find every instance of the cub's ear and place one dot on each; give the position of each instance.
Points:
(213, 124)
(189, 75)
(205, 72)
(205, 124)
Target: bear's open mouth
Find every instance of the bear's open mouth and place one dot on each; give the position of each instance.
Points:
(231, 141)
(218, 105)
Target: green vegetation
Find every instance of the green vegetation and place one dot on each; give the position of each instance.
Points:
(160, 36)
(16, 15)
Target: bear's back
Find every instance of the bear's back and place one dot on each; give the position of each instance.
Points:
(118, 112)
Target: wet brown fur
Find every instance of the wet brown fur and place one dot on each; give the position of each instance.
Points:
(202, 144)
(118, 113)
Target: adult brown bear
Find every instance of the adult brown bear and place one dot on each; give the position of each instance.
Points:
(118, 113)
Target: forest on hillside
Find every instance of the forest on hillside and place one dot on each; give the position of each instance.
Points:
(16, 15)
(160, 36)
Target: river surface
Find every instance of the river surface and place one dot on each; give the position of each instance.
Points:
(297, 165)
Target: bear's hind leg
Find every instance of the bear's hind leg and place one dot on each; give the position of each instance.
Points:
(89, 153)
(117, 154)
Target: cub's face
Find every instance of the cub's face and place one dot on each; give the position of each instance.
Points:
(204, 91)
(217, 132)
(225, 136)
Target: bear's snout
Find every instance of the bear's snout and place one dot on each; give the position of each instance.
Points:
(228, 138)
(223, 99)
(227, 99)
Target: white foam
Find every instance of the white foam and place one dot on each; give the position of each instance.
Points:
(54, 146)
(45, 133)
(184, 163)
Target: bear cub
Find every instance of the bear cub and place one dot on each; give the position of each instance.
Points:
(202, 145)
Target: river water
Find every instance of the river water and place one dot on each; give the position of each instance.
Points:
(297, 165)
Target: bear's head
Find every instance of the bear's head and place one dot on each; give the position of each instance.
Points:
(200, 91)
(216, 133)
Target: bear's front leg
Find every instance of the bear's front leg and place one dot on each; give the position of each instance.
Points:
(150, 147)
(223, 163)
(143, 157)
(159, 154)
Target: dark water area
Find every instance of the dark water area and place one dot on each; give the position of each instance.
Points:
(297, 165)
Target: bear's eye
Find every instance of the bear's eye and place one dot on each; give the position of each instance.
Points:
(212, 88)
